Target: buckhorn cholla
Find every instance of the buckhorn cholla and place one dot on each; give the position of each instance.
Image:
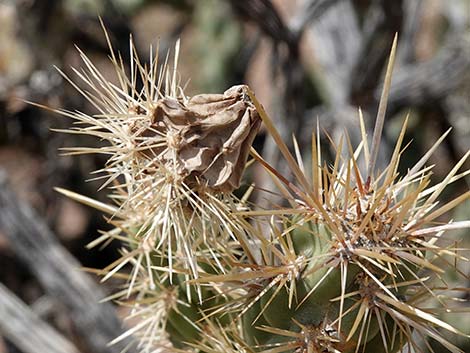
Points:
(346, 268)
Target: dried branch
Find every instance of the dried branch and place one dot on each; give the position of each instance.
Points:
(18, 321)
(265, 15)
(418, 84)
(310, 10)
(411, 25)
(58, 272)
(383, 20)
(336, 41)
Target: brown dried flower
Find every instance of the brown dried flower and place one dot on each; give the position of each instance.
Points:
(208, 138)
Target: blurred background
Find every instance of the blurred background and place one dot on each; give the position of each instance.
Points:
(306, 60)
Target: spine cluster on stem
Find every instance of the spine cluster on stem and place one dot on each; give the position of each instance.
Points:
(350, 265)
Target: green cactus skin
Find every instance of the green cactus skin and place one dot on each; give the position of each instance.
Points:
(312, 239)
(182, 319)
(251, 333)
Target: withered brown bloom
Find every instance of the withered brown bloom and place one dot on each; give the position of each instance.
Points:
(208, 138)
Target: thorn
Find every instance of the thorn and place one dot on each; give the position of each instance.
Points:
(379, 122)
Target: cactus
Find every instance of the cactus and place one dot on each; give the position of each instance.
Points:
(348, 266)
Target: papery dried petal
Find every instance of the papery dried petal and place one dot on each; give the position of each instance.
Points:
(208, 138)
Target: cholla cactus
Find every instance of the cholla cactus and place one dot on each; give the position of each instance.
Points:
(348, 267)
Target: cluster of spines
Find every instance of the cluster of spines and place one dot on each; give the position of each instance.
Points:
(339, 271)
